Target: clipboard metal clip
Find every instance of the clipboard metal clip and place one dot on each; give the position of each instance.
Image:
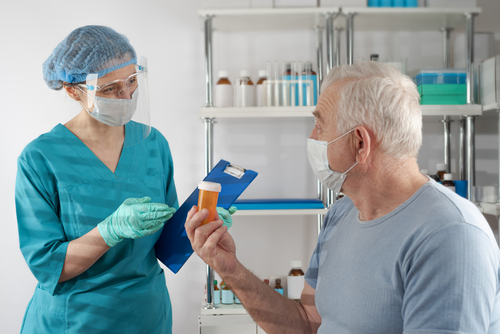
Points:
(235, 171)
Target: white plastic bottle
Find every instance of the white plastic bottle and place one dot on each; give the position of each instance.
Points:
(260, 89)
(295, 280)
(223, 91)
(244, 94)
(448, 182)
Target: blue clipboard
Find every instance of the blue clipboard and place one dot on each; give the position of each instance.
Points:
(173, 248)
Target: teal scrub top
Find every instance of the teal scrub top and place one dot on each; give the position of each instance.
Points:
(62, 192)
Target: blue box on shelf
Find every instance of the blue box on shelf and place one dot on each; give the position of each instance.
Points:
(278, 204)
(444, 76)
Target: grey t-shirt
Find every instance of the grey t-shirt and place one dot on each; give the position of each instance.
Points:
(430, 266)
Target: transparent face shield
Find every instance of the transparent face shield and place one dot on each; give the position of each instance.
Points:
(121, 102)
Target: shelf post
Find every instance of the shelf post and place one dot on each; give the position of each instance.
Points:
(469, 57)
(319, 53)
(208, 61)
(350, 38)
(447, 142)
(329, 45)
(462, 153)
(498, 200)
(446, 120)
(209, 123)
(470, 160)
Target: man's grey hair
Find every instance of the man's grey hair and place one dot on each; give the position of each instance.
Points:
(380, 97)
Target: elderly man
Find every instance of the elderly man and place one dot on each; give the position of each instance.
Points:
(399, 253)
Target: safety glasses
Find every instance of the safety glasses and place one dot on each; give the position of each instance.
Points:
(116, 88)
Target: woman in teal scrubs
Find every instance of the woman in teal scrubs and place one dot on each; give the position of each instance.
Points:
(92, 196)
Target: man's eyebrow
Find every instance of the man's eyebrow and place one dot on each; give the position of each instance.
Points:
(317, 115)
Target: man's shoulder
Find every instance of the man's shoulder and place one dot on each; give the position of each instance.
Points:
(439, 208)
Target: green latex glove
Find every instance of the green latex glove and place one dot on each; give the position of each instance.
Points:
(135, 218)
(225, 215)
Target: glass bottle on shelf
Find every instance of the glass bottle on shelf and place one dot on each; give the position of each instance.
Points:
(278, 286)
(448, 182)
(441, 170)
(216, 293)
(295, 280)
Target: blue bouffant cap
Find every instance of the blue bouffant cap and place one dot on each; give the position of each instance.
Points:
(86, 50)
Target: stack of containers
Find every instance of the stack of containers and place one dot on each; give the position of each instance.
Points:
(445, 87)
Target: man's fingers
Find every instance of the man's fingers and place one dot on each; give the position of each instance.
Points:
(193, 220)
(202, 233)
(213, 239)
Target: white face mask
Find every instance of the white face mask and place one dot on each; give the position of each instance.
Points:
(114, 112)
(317, 152)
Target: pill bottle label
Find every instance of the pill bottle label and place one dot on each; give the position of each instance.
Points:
(217, 297)
(295, 286)
(227, 297)
(223, 96)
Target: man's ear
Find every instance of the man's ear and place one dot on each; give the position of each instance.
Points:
(72, 92)
(364, 140)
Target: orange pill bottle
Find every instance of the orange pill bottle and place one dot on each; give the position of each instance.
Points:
(207, 199)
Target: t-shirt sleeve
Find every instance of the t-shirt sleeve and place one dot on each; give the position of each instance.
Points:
(312, 272)
(41, 236)
(451, 282)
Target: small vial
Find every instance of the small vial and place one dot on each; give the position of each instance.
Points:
(216, 293)
(223, 91)
(278, 286)
(295, 280)
(448, 183)
(207, 199)
(227, 296)
(441, 170)
(260, 89)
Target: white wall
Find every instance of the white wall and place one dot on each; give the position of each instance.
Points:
(169, 34)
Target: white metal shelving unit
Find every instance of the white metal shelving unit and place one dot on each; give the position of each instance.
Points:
(331, 21)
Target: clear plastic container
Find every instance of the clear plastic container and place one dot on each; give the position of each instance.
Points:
(260, 89)
(207, 199)
(440, 76)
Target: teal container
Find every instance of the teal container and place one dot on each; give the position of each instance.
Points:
(373, 3)
(237, 300)
(227, 297)
(216, 297)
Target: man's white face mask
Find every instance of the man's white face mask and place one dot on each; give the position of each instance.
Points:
(317, 152)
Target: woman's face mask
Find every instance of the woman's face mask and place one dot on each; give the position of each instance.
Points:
(317, 152)
(114, 112)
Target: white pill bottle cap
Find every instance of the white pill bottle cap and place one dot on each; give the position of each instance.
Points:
(296, 264)
(210, 186)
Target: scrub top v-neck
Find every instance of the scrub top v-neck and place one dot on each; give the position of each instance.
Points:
(63, 190)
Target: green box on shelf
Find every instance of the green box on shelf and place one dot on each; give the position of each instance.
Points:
(446, 94)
